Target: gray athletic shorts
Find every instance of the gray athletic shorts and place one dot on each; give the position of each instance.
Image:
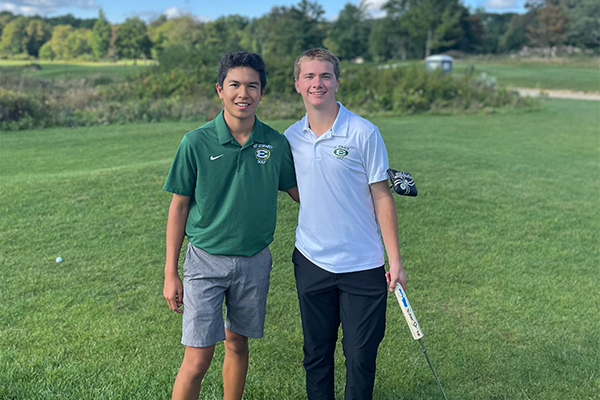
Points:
(208, 279)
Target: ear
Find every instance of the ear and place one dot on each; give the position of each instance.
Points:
(337, 86)
(296, 85)
(219, 91)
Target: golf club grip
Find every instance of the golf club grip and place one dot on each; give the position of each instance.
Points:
(409, 315)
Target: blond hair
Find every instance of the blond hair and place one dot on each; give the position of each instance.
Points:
(320, 55)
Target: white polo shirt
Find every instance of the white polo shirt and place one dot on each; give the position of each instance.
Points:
(337, 229)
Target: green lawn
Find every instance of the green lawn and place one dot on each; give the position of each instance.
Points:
(71, 69)
(500, 247)
(543, 76)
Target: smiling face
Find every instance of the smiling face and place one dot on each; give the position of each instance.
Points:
(317, 84)
(241, 93)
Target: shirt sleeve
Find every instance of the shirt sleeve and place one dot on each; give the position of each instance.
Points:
(287, 174)
(182, 175)
(375, 158)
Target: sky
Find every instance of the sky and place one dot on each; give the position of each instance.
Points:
(117, 11)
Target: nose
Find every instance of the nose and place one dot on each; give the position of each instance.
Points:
(243, 92)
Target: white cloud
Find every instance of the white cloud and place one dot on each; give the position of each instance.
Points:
(175, 12)
(44, 7)
(374, 7)
(502, 4)
(15, 9)
(172, 12)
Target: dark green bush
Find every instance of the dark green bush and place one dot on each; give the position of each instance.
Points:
(16, 106)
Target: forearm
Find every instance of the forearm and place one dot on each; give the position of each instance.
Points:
(178, 212)
(385, 212)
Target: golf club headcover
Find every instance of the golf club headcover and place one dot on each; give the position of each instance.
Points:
(402, 182)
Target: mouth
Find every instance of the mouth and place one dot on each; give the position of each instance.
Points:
(242, 105)
(317, 93)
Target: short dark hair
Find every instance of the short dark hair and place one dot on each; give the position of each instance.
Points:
(318, 54)
(242, 59)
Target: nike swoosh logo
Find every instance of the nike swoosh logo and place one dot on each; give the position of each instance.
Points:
(213, 158)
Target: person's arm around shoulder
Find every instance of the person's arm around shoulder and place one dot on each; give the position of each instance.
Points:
(385, 212)
(173, 287)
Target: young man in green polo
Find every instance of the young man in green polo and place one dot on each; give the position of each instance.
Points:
(225, 178)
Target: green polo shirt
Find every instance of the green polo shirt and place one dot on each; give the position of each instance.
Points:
(232, 188)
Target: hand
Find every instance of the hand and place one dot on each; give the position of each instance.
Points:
(396, 274)
(173, 292)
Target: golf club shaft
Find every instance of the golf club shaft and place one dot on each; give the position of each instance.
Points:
(432, 370)
(415, 329)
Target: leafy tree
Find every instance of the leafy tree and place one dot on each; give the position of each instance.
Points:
(226, 33)
(38, 32)
(60, 41)
(494, 26)
(436, 21)
(46, 52)
(288, 31)
(548, 27)
(180, 31)
(5, 18)
(157, 23)
(132, 41)
(69, 19)
(348, 36)
(389, 39)
(583, 28)
(471, 41)
(101, 34)
(67, 43)
(514, 38)
(79, 42)
(14, 37)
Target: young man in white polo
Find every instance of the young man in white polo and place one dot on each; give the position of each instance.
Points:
(225, 179)
(346, 207)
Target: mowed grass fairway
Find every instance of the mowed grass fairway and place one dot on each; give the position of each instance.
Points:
(72, 69)
(568, 76)
(500, 247)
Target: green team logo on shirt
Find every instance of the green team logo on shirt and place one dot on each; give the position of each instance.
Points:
(262, 152)
(340, 152)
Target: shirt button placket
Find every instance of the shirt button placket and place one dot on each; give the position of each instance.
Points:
(239, 161)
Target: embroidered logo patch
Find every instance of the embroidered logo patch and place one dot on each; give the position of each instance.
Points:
(262, 152)
(340, 152)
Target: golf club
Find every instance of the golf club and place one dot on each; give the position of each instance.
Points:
(402, 182)
(415, 329)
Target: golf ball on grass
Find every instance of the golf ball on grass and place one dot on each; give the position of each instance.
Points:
(58, 259)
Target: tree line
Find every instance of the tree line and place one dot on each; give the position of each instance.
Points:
(409, 29)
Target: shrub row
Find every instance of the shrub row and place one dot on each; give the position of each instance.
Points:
(187, 92)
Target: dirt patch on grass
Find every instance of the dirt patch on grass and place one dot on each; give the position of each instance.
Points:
(558, 94)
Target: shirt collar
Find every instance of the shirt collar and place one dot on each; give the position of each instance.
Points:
(225, 136)
(340, 125)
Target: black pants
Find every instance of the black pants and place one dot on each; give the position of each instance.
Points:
(357, 300)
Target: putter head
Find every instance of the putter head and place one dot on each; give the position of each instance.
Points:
(402, 182)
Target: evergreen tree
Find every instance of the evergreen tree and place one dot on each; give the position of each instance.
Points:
(101, 34)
